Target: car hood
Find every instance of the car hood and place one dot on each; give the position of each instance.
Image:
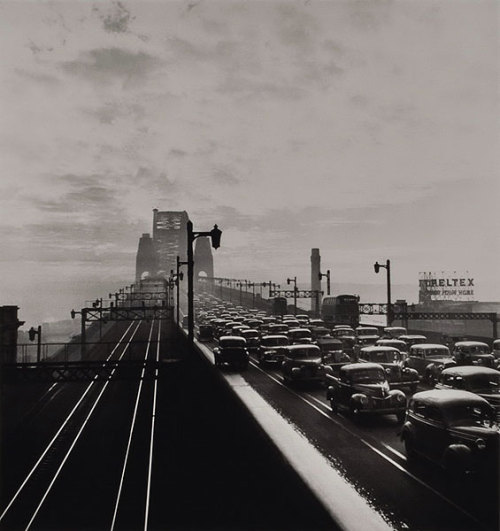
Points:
(477, 431)
(442, 361)
(375, 390)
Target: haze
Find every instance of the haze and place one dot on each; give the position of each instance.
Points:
(368, 129)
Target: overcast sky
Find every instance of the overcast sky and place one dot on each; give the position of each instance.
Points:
(368, 129)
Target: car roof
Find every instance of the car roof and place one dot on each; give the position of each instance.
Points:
(353, 367)
(301, 347)
(470, 343)
(447, 396)
(413, 336)
(274, 336)
(239, 338)
(428, 345)
(299, 329)
(378, 348)
(467, 370)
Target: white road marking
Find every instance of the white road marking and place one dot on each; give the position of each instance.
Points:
(376, 450)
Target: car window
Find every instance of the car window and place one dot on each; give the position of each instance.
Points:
(368, 376)
(483, 383)
(468, 415)
(386, 356)
(304, 353)
(437, 352)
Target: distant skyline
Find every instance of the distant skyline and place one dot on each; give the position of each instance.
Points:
(366, 129)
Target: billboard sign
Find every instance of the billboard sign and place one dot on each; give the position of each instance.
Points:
(446, 286)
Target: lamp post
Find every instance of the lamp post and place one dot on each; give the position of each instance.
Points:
(215, 235)
(83, 338)
(289, 281)
(179, 276)
(387, 267)
(98, 304)
(252, 285)
(240, 285)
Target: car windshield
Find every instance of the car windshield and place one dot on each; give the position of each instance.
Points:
(468, 415)
(304, 353)
(387, 356)
(300, 333)
(477, 349)
(368, 376)
(231, 343)
(251, 335)
(439, 352)
(368, 332)
(275, 342)
(483, 383)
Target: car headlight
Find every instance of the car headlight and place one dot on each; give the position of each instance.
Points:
(480, 444)
(400, 397)
(363, 400)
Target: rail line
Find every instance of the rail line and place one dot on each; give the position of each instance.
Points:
(63, 429)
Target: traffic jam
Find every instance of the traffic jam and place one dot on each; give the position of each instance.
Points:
(429, 410)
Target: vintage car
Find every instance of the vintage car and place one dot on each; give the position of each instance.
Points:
(232, 351)
(412, 339)
(395, 343)
(205, 332)
(393, 332)
(332, 354)
(473, 353)
(319, 331)
(399, 376)
(362, 389)
(277, 328)
(367, 335)
(252, 338)
(303, 319)
(271, 349)
(496, 349)
(429, 360)
(302, 363)
(299, 336)
(455, 429)
(483, 381)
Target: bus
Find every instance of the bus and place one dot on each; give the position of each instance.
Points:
(279, 306)
(342, 309)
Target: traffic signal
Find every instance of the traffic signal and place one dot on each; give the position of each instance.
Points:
(32, 334)
(376, 266)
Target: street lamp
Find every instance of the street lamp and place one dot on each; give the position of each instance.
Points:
(215, 235)
(289, 281)
(240, 285)
(387, 267)
(327, 275)
(252, 285)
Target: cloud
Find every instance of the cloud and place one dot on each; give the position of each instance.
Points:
(105, 64)
(118, 18)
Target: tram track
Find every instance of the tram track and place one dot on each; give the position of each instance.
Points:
(29, 497)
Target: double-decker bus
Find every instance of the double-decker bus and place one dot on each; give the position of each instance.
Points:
(342, 309)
